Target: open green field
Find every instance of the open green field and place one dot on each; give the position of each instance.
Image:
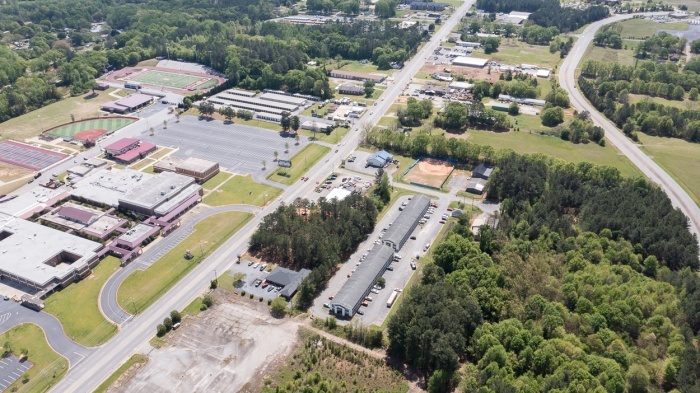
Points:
(216, 180)
(334, 136)
(110, 124)
(143, 287)
(243, 190)
(301, 162)
(527, 143)
(642, 28)
(165, 79)
(135, 359)
(685, 104)
(514, 51)
(35, 122)
(48, 366)
(677, 157)
(355, 66)
(77, 306)
(608, 55)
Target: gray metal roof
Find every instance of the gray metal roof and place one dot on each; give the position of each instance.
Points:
(359, 283)
(405, 222)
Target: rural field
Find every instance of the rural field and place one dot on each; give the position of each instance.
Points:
(642, 28)
(301, 162)
(77, 306)
(143, 287)
(677, 157)
(624, 56)
(513, 51)
(242, 190)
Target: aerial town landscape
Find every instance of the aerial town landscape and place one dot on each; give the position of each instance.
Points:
(350, 196)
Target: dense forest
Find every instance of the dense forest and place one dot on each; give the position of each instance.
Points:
(310, 235)
(231, 37)
(547, 13)
(608, 88)
(588, 285)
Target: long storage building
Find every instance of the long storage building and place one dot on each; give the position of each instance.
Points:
(401, 229)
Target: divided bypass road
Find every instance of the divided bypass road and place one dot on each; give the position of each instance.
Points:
(567, 80)
(104, 360)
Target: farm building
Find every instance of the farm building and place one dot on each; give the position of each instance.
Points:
(351, 89)
(379, 159)
(470, 62)
(357, 76)
(482, 171)
(476, 185)
(403, 226)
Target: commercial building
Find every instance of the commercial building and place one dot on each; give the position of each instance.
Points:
(482, 171)
(470, 62)
(350, 297)
(401, 229)
(351, 89)
(357, 76)
(95, 224)
(476, 185)
(289, 280)
(320, 127)
(428, 6)
(542, 73)
(465, 86)
(200, 170)
(127, 104)
(524, 101)
(379, 159)
(43, 258)
(435, 90)
(338, 193)
(265, 103)
(466, 44)
(161, 194)
(128, 150)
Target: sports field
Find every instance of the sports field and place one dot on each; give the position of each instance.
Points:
(110, 124)
(430, 172)
(167, 79)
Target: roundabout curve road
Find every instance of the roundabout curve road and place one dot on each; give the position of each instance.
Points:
(567, 80)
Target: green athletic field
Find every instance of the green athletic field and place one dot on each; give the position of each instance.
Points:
(165, 79)
(109, 124)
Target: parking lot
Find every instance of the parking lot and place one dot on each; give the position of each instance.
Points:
(253, 274)
(377, 310)
(11, 369)
(343, 179)
(237, 148)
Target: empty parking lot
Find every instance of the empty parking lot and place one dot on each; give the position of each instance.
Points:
(238, 148)
(11, 369)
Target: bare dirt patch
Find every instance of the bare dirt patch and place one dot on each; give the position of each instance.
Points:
(430, 172)
(10, 172)
(219, 350)
(466, 72)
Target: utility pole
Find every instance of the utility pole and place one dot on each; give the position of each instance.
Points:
(211, 60)
(167, 50)
(195, 53)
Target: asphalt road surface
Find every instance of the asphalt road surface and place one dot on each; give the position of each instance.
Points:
(88, 374)
(567, 80)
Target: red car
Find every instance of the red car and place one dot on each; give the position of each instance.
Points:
(330, 297)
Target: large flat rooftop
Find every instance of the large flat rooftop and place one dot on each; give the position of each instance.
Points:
(157, 189)
(107, 186)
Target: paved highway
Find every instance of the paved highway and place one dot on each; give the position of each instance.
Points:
(567, 80)
(103, 361)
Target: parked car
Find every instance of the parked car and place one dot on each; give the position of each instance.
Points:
(263, 267)
(390, 268)
(326, 305)
(365, 304)
(360, 312)
(255, 265)
(250, 263)
(413, 265)
(265, 284)
(257, 283)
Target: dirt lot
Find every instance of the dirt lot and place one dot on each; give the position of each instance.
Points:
(10, 172)
(222, 349)
(430, 172)
(467, 72)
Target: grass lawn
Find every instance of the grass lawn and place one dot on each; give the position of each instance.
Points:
(32, 123)
(513, 51)
(301, 162)
(135, 359)
(404, 163)
(148, 63)
(686, 104)
(524, 142)
(161, 153)
(609, 55)
(642, 28)
(143, 287)
(388, 121)
(149, 170)
(76, 306)
(142, 164)
(244, 190)
(49, 366)
(216, 180)
(677, 157)
(335, 136)
(355, 66)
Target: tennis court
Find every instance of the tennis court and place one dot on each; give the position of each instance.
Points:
(110, 124)
(30, 157)
(166, 79)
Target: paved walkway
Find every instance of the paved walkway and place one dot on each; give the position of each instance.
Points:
(108, 297)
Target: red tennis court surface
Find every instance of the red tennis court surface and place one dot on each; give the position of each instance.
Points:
(29, 157)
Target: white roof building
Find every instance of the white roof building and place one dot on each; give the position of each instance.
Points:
(338, 193)
(470, 61)
(542, 73)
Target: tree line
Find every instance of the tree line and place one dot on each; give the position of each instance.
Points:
(547, 13)
(314, 236)
(577, 289)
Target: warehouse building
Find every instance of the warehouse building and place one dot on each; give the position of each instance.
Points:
(403, 226)
(43, 258)
(351, 89)
(357, 76)
(470, 62)
(358, 286)
(200, 170)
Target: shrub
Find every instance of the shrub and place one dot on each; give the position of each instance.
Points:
(278, 307)
(213, 284)
(175, 316)
(161, 330)
(168, 323)
(208, 301)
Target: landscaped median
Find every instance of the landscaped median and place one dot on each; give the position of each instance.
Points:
(301, 162)
(243, 190)
(77, 306)
(48, 367)
(143, 287)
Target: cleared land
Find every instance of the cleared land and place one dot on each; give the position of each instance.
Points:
(76, 306)
(523, 142)
(33, 123)
(243, 190)
(430, 172)
(9, 172)
(49, 367)
(143, 287)
(301, 162)
(642, 28)
(677, 157)
(513, 51)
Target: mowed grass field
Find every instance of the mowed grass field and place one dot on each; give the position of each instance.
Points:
(77, 306)
(49, 367)
(143, 287)
(642, 28)
(608, 55)
(686, 104)
(301, 162)
(677, 157)
(33, 123)
(165, 79)
(216, 180)
(109, 124)
(513, 51)
(526, 143)
(243, 190)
